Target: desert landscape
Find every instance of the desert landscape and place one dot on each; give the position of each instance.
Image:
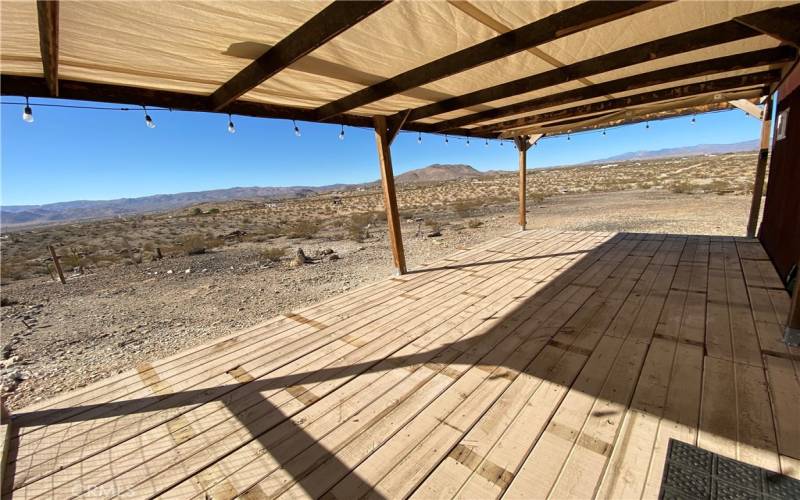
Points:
(141, 287)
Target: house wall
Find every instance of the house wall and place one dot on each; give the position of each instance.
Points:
(780, 226)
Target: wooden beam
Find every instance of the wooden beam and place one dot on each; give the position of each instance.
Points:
(558, 25)
(780, 27)
(692, 105)
(720, 85)
(761, 170)
(748, 107)
(57, 264)
(396, 124)
(47, 12)
(389, 194)
(136, 96)
(708, 36)
(756, 58)
(324, 26)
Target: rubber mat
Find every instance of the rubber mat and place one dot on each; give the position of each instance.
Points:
(694, 473)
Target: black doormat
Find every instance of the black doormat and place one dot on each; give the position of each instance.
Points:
(691, 472)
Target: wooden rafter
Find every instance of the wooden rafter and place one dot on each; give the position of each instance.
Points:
(719, 85)
(673, 74)
(47, 13)
(781, 27)
(708, 36)
(328, 23)
(560, 24)
(748, 107)
(692, 105)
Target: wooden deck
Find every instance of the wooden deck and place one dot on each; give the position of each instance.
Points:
(544, 363)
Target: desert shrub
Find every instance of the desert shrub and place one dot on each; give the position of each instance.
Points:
(197, 211)
(303, 229)
(682, 187)
(465, 207)
(433, 224)
(213, 211)
(273, 254)
(194, 244)
(357, 229)
(7, 301)
(474, 223)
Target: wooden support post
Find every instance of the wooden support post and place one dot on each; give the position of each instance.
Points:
(761, 169)
(524, 142)
(791, 335)
(57, 264)
(389, 196)
(159, 256)
(523, 174)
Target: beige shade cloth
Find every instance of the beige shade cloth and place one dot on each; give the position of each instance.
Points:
(196, 46)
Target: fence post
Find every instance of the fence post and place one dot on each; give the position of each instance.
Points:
(57, 264)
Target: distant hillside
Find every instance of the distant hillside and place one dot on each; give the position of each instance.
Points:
(17, 215)
(437, 173)
(700, 149)
(90, 209)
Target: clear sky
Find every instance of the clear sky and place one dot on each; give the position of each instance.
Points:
(71, 154)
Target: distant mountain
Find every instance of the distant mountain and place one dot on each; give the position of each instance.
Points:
(18, 215)
(437, 173)
(91, 209)
(700, 149)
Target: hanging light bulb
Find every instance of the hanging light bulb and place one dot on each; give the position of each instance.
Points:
(27, 113)
(694, 120)
(446, 140)
(341, 134)
(231, 126)
(419, 138)
(568, 138)
(147, 120)
(296, 129)
(467, 141)
(487, 143)
(604, 132)
(647, 125)
(501, 142)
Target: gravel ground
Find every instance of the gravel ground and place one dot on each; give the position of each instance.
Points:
(57, 338)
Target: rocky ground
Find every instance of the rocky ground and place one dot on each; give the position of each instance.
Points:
(61, 337)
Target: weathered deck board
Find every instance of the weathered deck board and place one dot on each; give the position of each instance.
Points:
(544, 363)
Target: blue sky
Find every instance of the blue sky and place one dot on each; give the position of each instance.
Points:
(69, 154)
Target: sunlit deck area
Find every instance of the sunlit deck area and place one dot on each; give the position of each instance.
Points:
(542, 363)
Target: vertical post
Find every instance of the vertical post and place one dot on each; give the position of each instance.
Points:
(761, 169)
(57, 264)
(523, 174)
(159, 256)
(523, 143)
(791, 335)
(383, 141)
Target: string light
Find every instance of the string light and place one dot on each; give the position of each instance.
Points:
(446, 140)
(231, 126)
(27, 113)
(296, 129)
(487, 143)
(604, 132)
(341, 134)
(147, 120)
(419, 138)
(694, 120)
(467, 141)
(647, 125)
(501, 142)
(568, 138)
